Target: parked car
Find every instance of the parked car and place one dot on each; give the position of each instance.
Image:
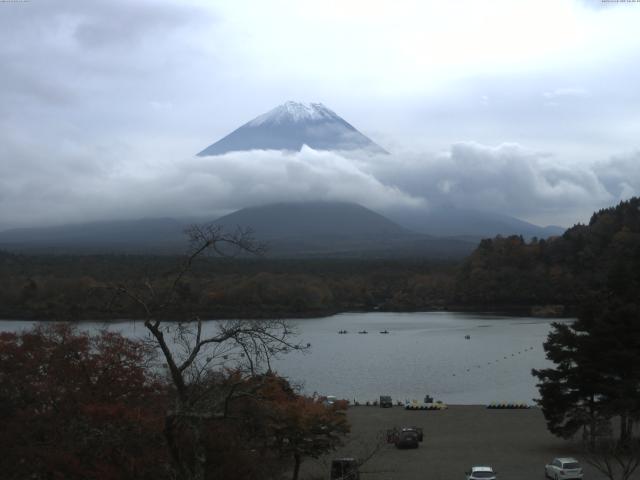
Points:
(329, 400)
(344, 469)
(563, 468)
(418, 431)
(385, 401)
(481, 473)
(407, 439)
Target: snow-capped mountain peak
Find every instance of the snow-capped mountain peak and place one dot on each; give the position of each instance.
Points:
(290, 126)
(294, 112)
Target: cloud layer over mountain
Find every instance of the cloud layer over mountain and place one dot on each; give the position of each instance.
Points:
(507, 178)
(100, 102)
(511, 179)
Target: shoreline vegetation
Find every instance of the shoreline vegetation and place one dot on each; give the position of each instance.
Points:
(535, 311)
(77, 288)
(540, 277)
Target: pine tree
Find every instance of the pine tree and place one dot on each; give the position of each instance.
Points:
(614, 327)
(571, 392)
(597, 372)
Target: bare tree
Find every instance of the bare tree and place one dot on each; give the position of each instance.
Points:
(615, 460)
(194, 353)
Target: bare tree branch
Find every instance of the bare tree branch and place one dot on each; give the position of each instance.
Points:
(194, 358)
(615, 460)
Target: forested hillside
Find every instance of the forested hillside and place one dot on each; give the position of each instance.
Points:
(81, 287)
(561, 270)
(546, 277)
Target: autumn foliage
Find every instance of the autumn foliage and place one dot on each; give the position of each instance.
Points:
(76, 406)
(290, 425)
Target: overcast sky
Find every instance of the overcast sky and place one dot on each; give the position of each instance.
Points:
(530, 108)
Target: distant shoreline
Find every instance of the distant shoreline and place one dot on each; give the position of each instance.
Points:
(223, 314)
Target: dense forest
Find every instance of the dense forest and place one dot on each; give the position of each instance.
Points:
(558, 271)
(81, 287)
(546, 276)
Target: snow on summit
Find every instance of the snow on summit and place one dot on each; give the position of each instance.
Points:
(290, 126)
(294, 111)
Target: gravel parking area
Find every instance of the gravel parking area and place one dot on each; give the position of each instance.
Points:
(515, 443)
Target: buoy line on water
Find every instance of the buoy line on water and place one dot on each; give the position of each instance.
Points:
(508, 406)
(507, 357)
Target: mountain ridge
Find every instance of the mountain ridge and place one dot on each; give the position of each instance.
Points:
(306, 229)
(313, 218)
(469, 223)
(292, 228)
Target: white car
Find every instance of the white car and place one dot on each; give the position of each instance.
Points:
(563, 468)
(481, 473)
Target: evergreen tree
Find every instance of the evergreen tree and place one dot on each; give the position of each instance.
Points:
(571, 396)
(614, 328)
(597, 369)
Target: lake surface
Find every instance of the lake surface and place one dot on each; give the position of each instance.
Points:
(423, 353)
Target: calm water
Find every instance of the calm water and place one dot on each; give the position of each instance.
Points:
(423, 353)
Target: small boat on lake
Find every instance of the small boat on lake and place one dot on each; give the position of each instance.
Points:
(363, 331)
(385, 331)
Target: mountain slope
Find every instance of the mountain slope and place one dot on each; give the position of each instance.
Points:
(467, 223)
(289, 127)
(311, 229)
(298, 229)
(285, 220)
(337, 229)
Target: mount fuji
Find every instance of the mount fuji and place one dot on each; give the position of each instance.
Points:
(289, 127)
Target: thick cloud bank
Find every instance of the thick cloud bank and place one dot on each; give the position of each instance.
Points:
(513, 180)
(197, 186)
(507, 178)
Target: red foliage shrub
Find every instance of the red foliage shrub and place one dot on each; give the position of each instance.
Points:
(79, 406)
